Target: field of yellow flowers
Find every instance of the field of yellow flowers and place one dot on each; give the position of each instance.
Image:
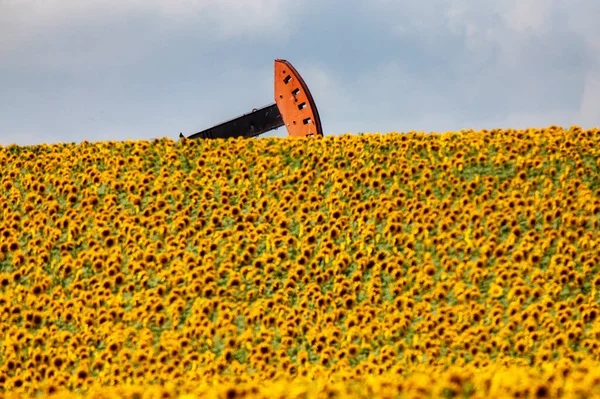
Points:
(462, 264)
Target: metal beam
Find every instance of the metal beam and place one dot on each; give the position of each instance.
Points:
(251, 124)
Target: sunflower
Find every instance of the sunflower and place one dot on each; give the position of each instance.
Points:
(429, 270)
(496, 291)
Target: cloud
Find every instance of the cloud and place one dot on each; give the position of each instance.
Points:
(71, 34)
(508, 61)
(232, 16)
(526, 16)
(120, 69)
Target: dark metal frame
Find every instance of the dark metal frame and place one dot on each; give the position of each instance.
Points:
(251, 124)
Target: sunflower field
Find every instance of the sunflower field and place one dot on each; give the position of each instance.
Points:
(457, 264)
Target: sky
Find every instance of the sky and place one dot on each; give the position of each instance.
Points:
(99, 70)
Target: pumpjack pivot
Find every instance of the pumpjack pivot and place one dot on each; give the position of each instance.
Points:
(294, 108)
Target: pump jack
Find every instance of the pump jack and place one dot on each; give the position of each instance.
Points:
(294, 108)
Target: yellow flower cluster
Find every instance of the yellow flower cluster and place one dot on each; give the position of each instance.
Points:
(376, 265)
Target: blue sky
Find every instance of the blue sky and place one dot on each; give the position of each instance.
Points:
(99, 70)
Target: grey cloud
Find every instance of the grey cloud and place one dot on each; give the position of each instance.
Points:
(371, 66)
